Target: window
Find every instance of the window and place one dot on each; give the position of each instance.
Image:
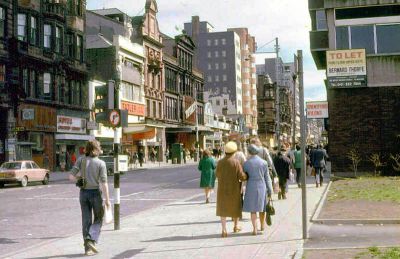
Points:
(208, 42)
(78, 7)
(223, 53)
(2, 72)
(58, 40)
(342, 37)
(388, 38)
(363, 37)
(2, 21)
(209, 79)
(320, 18)
(225, 101)
(216, 54)
(216, 42)
(47, 36)
(70, 45)
(79, 48)
(159, 110)
(154, 109)
(33, 84)
(224, 78)
(216, 66)
(34, 31)
(22, 27)
(224, 65)
(217, 78)
(148, 108)
(209, 66)
(209, 54)
(25, 81)
(223, 41)
(218, 103)
(46, 84)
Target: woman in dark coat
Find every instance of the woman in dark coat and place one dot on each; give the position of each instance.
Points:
(229, 200)
(207, 167)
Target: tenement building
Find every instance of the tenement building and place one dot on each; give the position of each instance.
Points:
(44, 112)
(363, 93)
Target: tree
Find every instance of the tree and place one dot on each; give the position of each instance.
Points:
(375, 158)
(355, 158)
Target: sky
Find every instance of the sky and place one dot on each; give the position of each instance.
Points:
(288, 20)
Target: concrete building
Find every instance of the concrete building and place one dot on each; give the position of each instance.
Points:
(366, 117)
(112, 56)
(266, 102)
(218, 55)
(249, 80)
(44, 110)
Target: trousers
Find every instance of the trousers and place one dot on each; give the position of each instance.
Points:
(92, 214)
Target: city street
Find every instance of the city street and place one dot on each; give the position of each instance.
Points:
(37, 213)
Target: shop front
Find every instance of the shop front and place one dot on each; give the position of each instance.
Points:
(71, 138)
(36, 126)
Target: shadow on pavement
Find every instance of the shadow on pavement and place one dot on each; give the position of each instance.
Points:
(187, 203)
(4, 241)
(189, 223)
(128, 254)
(60, 256)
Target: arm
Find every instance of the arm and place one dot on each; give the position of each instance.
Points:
(214, 164)
(271, 164)
(104, 183)
(200, 165)
(104, 188)
(241, 175)
(268, 181)
(75, 170)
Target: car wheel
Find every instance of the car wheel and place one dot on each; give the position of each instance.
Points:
(46, 180)
(24, 181)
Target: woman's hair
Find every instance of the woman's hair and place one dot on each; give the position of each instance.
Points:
(206, 153)
(93, 148)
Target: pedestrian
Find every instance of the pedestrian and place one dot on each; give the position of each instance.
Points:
(229, 173)
(258, 186)
(141, 157)
(282, 165)
(318, 161)
(184, 155)
(92, 177)
(167, 155)
(134, 159)
(207, 167)
(297, 164)
(264, 154)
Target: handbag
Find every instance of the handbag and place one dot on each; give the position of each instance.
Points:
(270, 208)
(108, 217)
(81, 181)
(313, 171)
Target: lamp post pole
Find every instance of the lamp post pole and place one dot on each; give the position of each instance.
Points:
(278, 113)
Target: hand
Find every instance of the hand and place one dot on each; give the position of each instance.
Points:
(108, 203)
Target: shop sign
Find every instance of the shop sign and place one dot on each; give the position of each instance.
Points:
(28, 114)
(71, 124)
(133, 108)
(317, 110)
(92, 125)
(190, 110)
(19, 129)
(346, 68)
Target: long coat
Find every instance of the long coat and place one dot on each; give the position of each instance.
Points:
(229, 201)
(258, 185)
(207, 167)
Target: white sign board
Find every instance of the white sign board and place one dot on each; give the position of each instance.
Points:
(346, 68)
(28, 114)
(317, 110)
(71, 124)
(190, 110)
(123, 163)
(92, 125)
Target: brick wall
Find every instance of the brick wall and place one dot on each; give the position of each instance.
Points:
(368, 118)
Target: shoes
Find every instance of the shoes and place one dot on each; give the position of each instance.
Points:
(316, 185)
(279, 195)
(207, 200)
(237, 229)
(284, 196)
(224, 234)
(90, 252)
(254, 233)
(90, 244)
(262, 229)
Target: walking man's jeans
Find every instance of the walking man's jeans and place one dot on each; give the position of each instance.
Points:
(298, 175)
(319, 175)
(92, 214)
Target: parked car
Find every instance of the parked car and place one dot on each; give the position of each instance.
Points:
(22, 172)
(109, 160)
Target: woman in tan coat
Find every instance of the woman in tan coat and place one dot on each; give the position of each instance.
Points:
(229, 201)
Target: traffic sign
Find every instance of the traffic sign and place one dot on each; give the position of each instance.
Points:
(114, 118)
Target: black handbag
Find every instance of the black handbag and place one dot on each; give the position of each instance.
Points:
(270, 208)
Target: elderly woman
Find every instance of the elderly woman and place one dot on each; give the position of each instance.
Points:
(229, 174)
(257, 188)
(207, 167)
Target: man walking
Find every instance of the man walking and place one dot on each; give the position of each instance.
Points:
(297, 164)
(282, 165)
(318, 161)
(92, 176)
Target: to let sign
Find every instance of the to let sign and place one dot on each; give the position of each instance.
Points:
(346, 68)
(71, 124)
(317, 110)
(133, 108)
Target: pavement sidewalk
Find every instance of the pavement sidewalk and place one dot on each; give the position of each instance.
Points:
(190, 229)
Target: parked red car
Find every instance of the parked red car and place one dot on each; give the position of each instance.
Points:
(22, 172)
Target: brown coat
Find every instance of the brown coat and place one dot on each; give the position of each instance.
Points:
(229, 200)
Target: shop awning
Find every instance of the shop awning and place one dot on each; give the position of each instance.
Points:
(179, 130)
(74, 137)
